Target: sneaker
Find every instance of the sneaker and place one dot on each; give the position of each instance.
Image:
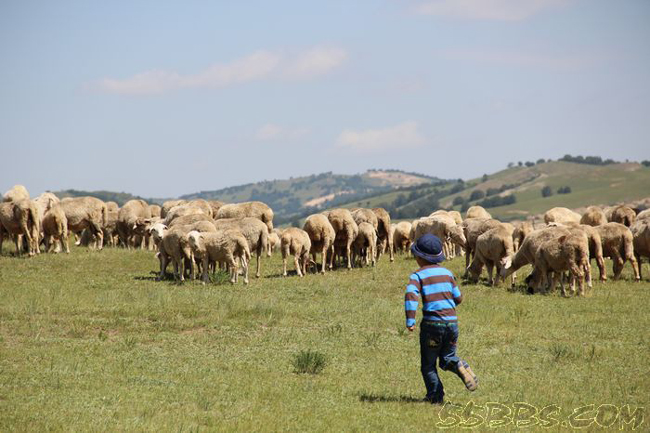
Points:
(467, 376)
(431, 400)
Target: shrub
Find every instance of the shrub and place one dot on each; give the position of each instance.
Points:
(529, 163)
(477, 194)
(547, 191)
(564, 190)
(309, 361)
(645, 163)
(458, 201)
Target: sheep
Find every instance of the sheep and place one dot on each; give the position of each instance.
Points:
(175, 246)
(20, 218)
(44, 202)
(215, 205)
(561, 215)
(522, 229)
(365, 244)
(253, 209)
(472, 229)
(595, 250)
(593, 216)
(618, 244)
(477, 212)
(255, 231)
(203, 205)
(132, 213)
(444, 227)
(450, 249)
(189, 219)
(86, 213)
(109, 229)
(168, 205)
(365, 215)
(15, 194)
(565, 253)
(644, 214)
(274, 241)
(183, 210)
(55, 227)
(527, 250)
(154, 210)
(112, 206)
(322, 235)
(221, 246)
(346, 230)
(384, 237)
(624, 215)
(641, 233)
(494, 248)
(295, 242)
(402, 236)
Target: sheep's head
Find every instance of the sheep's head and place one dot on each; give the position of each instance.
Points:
(194, 238)
(457, 236)
(157, 231)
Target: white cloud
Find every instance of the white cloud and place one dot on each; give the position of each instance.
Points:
(271, 131)
(404, 135)
(314, 62)
(499, 10)
(257, 66)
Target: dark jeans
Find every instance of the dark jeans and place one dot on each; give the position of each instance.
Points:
(437, 343)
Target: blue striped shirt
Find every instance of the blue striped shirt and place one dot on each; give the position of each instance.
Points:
(439, 291)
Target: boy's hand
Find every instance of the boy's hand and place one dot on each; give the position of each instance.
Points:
(410, 328)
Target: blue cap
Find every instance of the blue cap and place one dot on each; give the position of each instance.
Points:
(429, 248)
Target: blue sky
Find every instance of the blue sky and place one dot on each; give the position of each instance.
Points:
(164, 98)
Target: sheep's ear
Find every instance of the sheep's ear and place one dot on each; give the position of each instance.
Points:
(562, 239)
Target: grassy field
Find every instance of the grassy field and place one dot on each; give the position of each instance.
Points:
(90, 341)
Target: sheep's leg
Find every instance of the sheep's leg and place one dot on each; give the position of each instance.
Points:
(618, 266)
(468, 255)
(244, 264)
(638, 260)
(234, 276)
(348, 252)
(497, 277)
(296, 263)
(324, 253)
(206, 266)
(490, 267)
(285, 253)
(259, 265)
(601, 268)
(587, 272)
(18, 240)
(635, 267)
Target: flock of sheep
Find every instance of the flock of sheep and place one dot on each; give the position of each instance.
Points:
(199, 235)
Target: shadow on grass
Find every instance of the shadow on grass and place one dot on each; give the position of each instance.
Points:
(375, 398)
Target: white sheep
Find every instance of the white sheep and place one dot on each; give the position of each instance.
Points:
(221, 246)
(295, 242)
(322, 235)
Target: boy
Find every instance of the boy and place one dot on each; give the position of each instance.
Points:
(439, 325)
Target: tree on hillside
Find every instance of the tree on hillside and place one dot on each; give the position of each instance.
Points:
(541, 161)
(511, 164)
(564, 190)
(520, 163)
(458, 201)
(645, 163)
(529, 163)
(485, 178)
(547, 191)
(477, 194)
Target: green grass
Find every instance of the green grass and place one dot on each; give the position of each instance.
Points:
(90, 341)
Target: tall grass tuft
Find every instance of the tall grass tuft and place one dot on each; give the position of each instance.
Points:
(309, 361)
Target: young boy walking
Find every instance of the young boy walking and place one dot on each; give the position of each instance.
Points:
(439, 326)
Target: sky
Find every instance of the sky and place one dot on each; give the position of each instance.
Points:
(164, 98)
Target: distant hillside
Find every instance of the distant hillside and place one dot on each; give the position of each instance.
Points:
(295, 196)
(516, 193)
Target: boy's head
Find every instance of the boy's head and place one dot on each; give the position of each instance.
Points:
(427, 249)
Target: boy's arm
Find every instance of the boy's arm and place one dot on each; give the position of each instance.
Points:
(411, 301)
(455, 292)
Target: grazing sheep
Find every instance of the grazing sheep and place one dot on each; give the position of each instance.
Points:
(595, 249)
(346, 230)
(522, 229)
(255, 231)
(444, 227)
(527, 250)
(112, 206)
(450, 249)
(384, 237)
(183, 210)
(365, 215)
(55, 228)
(493, 248)
(618, 244)
(175, 246)
(203, 205)
(558, 255)
(109, 229)
(86, 213)
(477, 212)
(20, 218)
(44, 202)
(215, 205)
(168, 205)
(644, 214)
(472, 229)
(593, 216)
(155, 210)
(133, 212)
(641, 233)
(295, 242)
(17, 193)
(561, 215)
(402, 237)
(274, 241)
(224, 246)
(624, 215)
(322, 235)
(365, 245)
(252, 209)
(189, 219)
